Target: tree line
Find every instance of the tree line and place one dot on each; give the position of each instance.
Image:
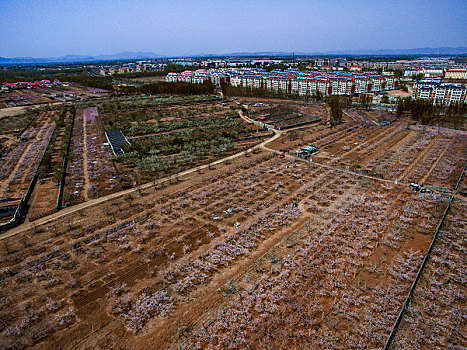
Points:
(336, 109)
(245, 91)
(425, 112)
(13, 75)
(79, 74)
(178, 88)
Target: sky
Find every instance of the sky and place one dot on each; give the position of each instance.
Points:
(50, 28)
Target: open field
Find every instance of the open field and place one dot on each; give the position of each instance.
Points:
(169, 135)
(19, 161)
(12, 111)
(399, 93)
(276, 110)
(263, 253)
(399, 151)
(436, 316)
(41, 95)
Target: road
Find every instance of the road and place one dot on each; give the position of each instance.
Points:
(93, 202)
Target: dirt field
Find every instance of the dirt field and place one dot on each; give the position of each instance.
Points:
(399, 151)
(12, 111)
(399, 93)
(436, 317)
(42, 95)
(45, 195)
(268, 253)
(90, 172)
(278, 109)
(19, 161)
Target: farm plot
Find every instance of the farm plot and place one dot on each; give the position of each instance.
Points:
(416, 155)
(90, 171)
(296, 121)
(15, 119)
(436, 316)
(350, 143)
(171, 135)
(370, 117)
(165, 238)
(398, 151)
(44, 197)
(141, 116)
(167, 150)
(240, 256)
(40, 95)
(142, 108)
(23, 97)
(358, 116)
(288, 114)
(447, 169)
(20, 160)
(337, 283)
(82, 91)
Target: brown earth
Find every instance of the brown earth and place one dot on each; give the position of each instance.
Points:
(322, 254)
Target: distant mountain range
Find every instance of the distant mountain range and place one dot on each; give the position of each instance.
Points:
(126, 55)
(382, 52)
(407, 52)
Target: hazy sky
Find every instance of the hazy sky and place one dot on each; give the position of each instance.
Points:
(44, 28)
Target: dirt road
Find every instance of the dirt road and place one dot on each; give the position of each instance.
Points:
(97, 201)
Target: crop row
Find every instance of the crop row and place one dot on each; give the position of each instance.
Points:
(101, 173)
(21, 160)
(296, 303)
(436, 315)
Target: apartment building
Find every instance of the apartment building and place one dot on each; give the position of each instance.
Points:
(172, 77)
(198, 77)
(294, 86)
(236, 80)
(292, 80)
(391, 82)
(458, 74)
(446, 93)
(284, 84)
(341, 86)
(378, 84)
(438, 92)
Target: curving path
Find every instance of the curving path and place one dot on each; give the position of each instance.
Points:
(93, 202)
